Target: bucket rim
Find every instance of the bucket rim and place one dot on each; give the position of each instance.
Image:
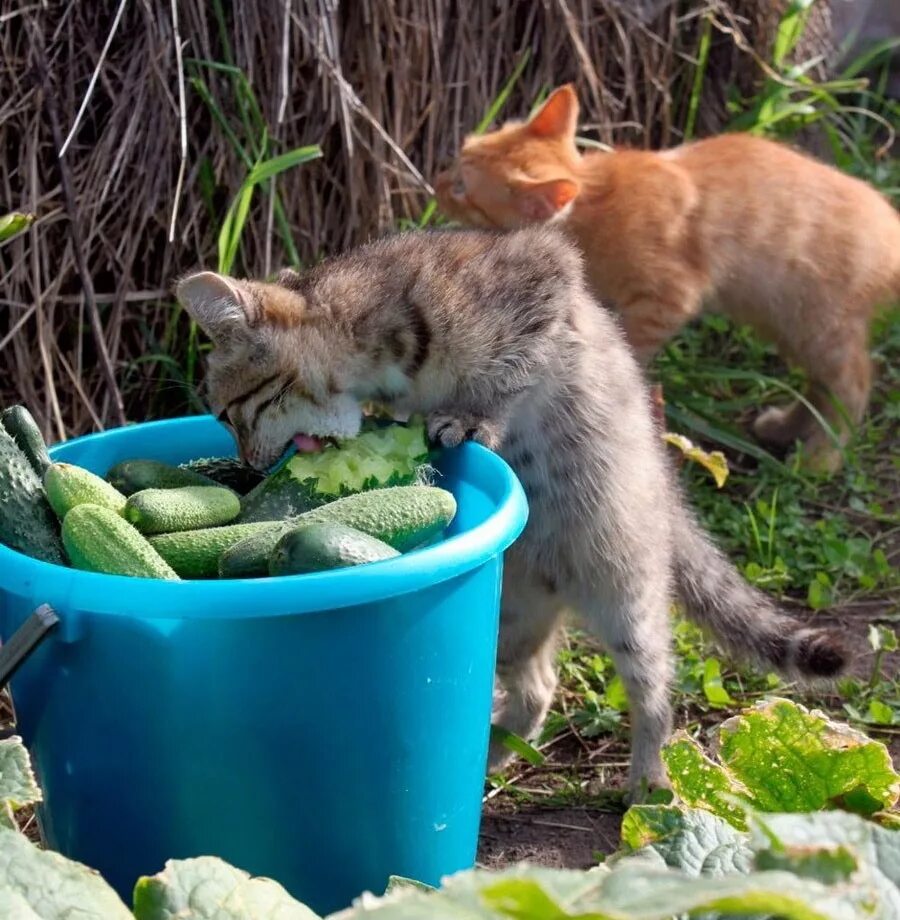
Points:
(195, 599)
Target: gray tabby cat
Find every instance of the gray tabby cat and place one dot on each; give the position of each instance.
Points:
(495, 338)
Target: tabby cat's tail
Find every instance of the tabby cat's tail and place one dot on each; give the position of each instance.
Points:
(743, 619)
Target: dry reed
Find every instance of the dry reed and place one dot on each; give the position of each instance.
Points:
(88, 332)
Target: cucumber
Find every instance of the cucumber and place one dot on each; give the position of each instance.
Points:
(27, 523)
(187, 508)
(249, 556)
(67, 486)
(316, 547)
(403, 517)
(132, 476)
(227, 471)
(385, 455)
(99, 540)
(195, 553)
(20, 424)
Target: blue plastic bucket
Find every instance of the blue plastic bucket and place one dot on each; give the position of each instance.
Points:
(324, 730)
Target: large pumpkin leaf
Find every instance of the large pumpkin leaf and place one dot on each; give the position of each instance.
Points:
(780, 757)
(819, 844)
(692, 840)
(54, 887)
(17, 783)
(14, 907)
(207, 888)
(702, 783)
(791, 759)
(631, 891)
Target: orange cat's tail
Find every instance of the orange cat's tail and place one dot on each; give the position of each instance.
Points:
(743, 619)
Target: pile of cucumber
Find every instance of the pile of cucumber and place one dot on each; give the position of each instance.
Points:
(359, 502)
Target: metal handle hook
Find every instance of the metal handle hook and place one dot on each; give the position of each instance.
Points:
(24, 641)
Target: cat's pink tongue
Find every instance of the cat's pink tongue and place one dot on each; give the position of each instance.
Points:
(307, 444)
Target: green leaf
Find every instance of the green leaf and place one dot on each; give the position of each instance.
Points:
(701, 783)
(791, 760)
(233, 227)
(503, 95)
(54, 887)
(880, 713)
(517, 745)
(14, 223)
(713, 689)
(233, 224)
(692, 840)
(207, 888)
(272, 167)
(790, 29)
(819, 594)
(615, 695)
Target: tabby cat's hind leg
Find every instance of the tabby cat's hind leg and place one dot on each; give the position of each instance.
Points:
(530, 617)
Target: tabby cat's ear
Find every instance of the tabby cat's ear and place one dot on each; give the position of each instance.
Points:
(540, 201)
(220, 305)
(558, 116)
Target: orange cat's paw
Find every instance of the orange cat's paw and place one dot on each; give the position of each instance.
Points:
(777, 426)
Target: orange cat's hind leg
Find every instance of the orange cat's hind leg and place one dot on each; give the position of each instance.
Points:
(840, 383)
(781, 426)
(842, 400)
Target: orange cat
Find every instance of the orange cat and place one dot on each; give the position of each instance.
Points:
(734, 224)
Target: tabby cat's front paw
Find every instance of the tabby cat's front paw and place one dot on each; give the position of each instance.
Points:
(451, 430)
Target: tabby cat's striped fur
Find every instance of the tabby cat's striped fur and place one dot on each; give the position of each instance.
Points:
(495, 337)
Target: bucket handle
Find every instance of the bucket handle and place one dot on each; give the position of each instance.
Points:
(25, 640)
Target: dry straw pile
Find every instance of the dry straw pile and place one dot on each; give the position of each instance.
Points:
(89, 335)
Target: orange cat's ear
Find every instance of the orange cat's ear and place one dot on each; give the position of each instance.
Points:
(220, 305)
(558, 116)
(539, 201)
